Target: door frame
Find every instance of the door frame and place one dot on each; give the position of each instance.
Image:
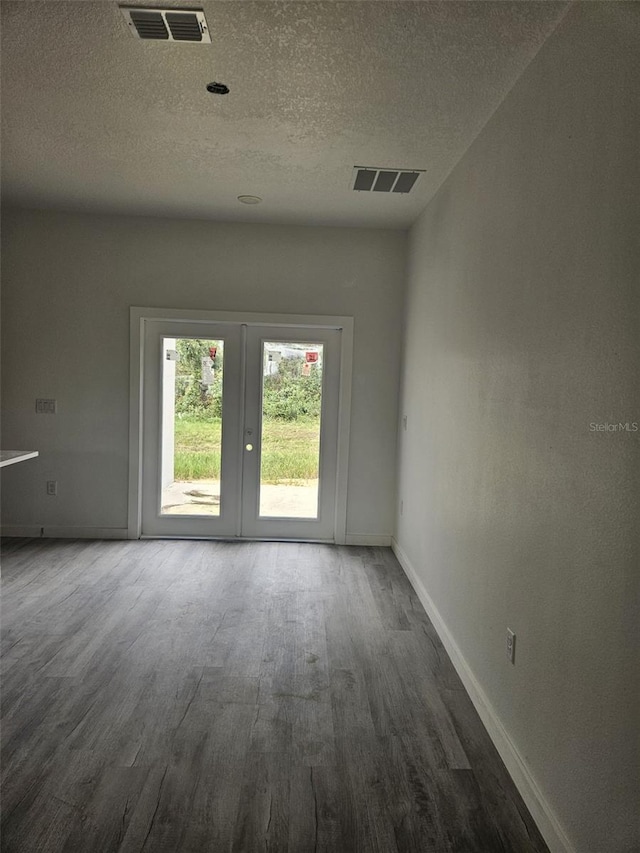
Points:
(321, 526)
(138, 319)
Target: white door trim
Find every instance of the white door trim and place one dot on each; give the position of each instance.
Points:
(138, 318)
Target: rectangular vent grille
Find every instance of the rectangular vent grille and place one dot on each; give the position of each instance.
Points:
(167, 24)
(149, 25)
(372, 179)
(184, 27)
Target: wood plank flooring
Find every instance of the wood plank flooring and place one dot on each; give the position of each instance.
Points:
(180, 697)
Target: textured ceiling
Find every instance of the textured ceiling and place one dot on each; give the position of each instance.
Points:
(96, 120)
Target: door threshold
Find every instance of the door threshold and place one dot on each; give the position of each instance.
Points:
(241, 539)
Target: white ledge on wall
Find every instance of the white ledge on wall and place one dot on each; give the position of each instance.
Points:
(10, 457)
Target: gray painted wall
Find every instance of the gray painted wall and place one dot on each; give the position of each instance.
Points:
(522, 329)
(68, 283)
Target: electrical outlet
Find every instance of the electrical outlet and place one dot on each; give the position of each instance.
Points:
(52, 487)
(511, 645)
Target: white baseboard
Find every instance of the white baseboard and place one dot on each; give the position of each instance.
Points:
(22, 531)
(368, 539)
(55, 532)
(540, 809)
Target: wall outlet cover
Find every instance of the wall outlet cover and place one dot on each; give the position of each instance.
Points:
(511, 645)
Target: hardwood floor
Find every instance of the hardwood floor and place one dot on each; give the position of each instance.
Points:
(166, 696)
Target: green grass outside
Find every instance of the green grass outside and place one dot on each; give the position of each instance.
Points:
(289, 450)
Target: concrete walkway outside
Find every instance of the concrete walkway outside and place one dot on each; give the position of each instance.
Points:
(296, 499)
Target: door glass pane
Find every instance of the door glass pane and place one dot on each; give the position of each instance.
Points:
(290, 445)
(191, 426)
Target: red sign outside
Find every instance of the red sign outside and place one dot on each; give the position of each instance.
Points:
(312, 357)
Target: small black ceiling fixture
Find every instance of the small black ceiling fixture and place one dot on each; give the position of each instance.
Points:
(218, 88)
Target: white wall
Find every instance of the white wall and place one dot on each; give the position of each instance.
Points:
(522, 328)
(68, 283)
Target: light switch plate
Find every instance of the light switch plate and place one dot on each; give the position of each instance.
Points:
(46, 407)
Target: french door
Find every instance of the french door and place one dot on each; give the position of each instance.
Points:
(240, 430)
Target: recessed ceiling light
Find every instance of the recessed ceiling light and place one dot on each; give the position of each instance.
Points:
(218, 88)
(249, 199)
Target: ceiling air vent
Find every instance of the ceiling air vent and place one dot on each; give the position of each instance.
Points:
(372, 179)
(167, 24)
